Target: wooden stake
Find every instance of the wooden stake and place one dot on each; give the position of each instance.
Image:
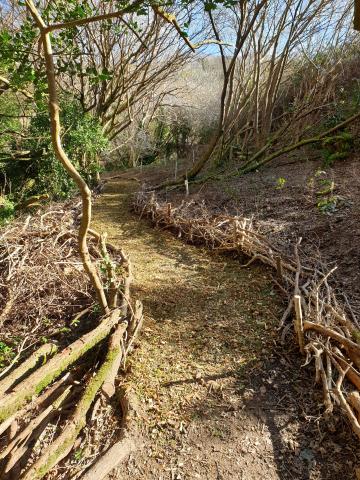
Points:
(235, 230)
(243, 227)
(187, 187)
(299, 329)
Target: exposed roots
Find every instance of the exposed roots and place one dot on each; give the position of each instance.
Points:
(323, 329)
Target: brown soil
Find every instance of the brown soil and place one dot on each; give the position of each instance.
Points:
(289, 200)
(221, 398)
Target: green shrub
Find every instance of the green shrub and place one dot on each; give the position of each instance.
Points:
(327, 201)
(337, 147)
(280, 183)
(328, 205)
(83, 141)
(6, 354)
(7, 209)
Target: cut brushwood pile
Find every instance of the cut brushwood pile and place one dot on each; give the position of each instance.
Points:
(42, 280)
(326, 331)
(59, 390)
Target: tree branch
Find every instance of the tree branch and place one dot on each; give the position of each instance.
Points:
(95, 18)
(8, 86)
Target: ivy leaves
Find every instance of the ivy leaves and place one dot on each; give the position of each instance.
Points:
(96, 76)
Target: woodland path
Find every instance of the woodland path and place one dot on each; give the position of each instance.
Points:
(220, 399)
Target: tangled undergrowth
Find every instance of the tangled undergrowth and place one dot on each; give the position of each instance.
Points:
(41, 275)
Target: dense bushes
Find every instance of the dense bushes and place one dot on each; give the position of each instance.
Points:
(38, 171)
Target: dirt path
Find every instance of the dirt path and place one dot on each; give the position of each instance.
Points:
(219, 398)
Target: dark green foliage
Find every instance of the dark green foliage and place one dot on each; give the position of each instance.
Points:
(164, 136)
(83, 140)
(10, 124)
(171, 135)
(347, 103)
(148, 158)
(7, 210)
(337, 147)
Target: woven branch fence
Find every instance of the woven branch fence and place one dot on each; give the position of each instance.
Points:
(323, 329)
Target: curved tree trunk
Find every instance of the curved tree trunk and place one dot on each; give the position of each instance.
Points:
(64, 159)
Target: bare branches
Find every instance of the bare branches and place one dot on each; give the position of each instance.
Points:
(44, 278)
(308, 141)
(299, 327)
(39, 238)
(170, 18)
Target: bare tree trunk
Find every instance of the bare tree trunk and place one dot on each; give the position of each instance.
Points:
(357, 15)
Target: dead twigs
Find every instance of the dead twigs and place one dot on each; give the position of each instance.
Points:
(123, 447)
(43, 276)
(323, 330)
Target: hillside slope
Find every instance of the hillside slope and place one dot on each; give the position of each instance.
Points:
(297, 197)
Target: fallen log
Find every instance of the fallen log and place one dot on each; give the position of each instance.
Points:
(18, 446)
(42, 377)
(41, 353)
(112, 458)
(116, 344)
(37, 403)
(63, 444)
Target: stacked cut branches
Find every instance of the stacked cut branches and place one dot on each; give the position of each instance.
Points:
(41, 276)
(48, 390)
(323, 329)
